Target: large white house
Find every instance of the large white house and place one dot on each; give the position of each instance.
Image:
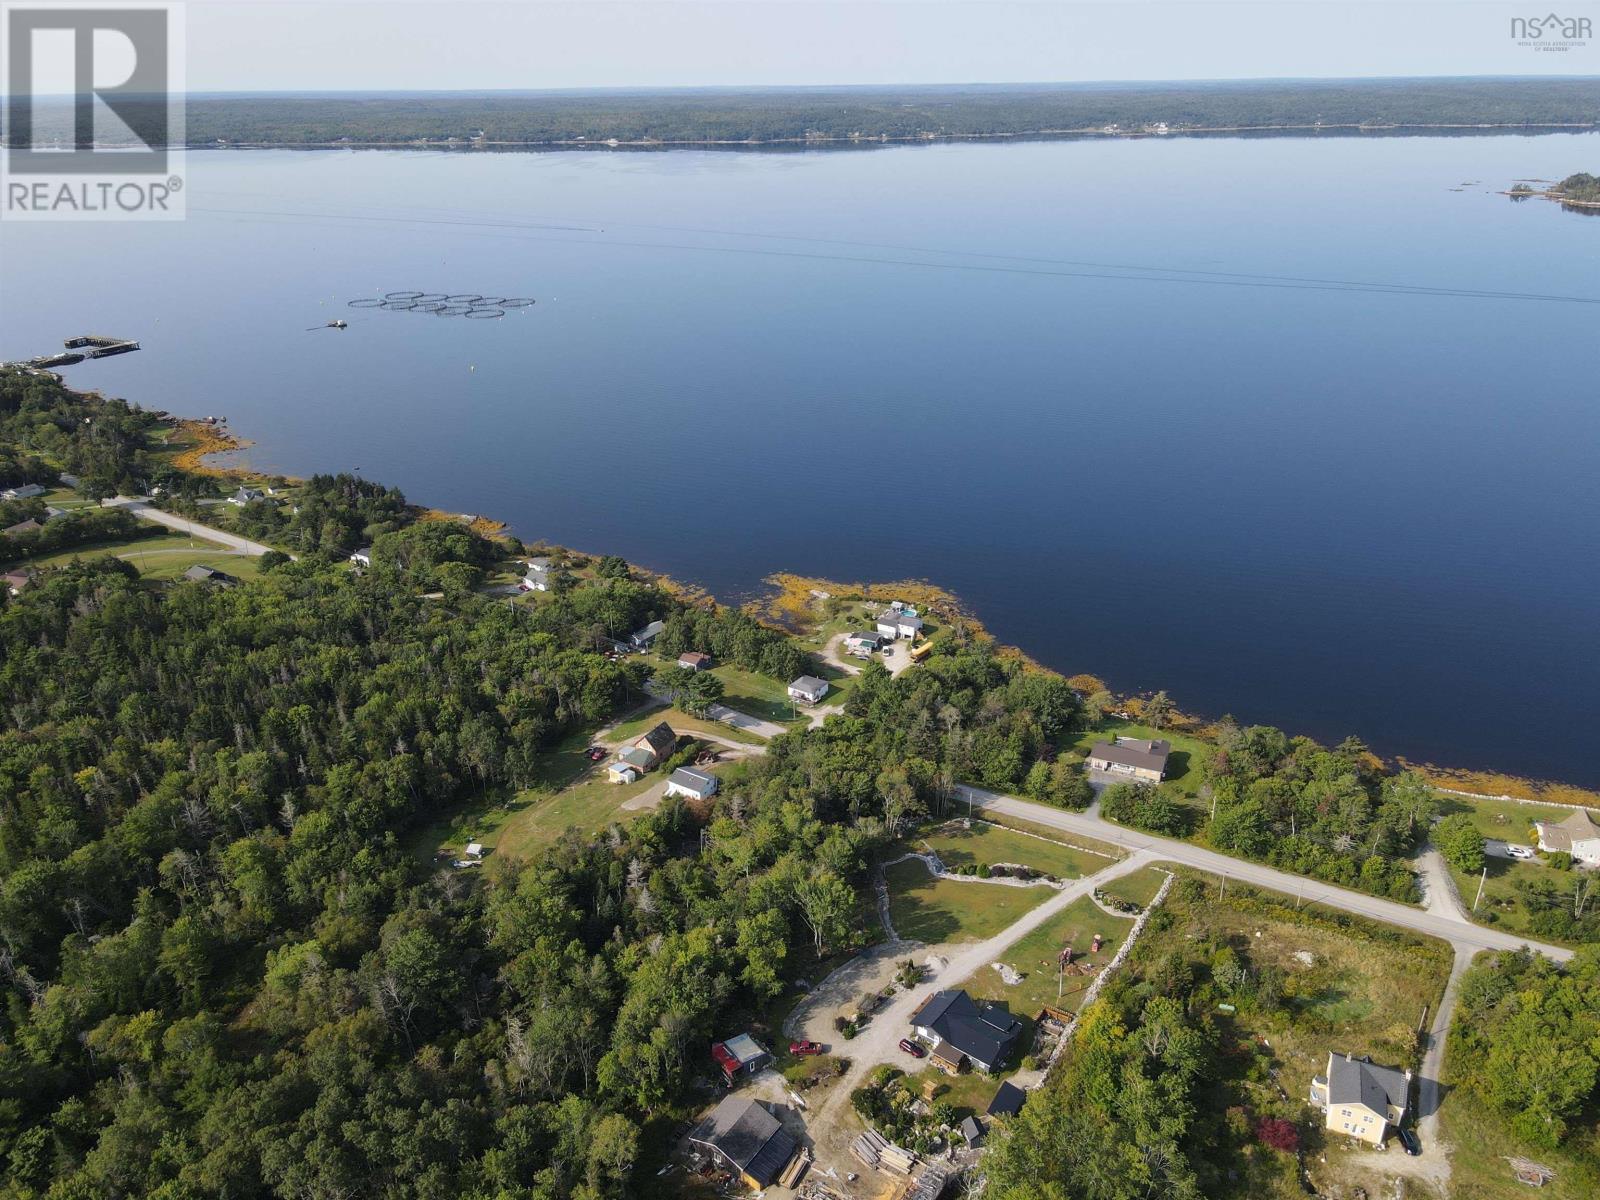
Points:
(899, 621)
(1578, 836)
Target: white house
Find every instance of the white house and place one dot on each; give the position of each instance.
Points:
(362, 557)
(808, 689)
(52, 513)
(692, 784)
(26, 491)
(899, 621)
(244, 496)
(538, 577)
(647, 636)
(1578, 836)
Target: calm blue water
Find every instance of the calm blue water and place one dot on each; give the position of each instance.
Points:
(1337, 511)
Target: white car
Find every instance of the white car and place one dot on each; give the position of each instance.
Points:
(1520, 851)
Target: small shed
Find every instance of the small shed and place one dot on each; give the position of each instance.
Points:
(971, 1131)
(740, 1055)
(1008, 1101)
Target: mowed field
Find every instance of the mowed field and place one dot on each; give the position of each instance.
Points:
(1036, 958)
(164, 556)
(933, 910)
(960, 844)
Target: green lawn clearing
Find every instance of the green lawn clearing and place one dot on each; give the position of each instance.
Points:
(941, 910)
(1503, 819)
(1138, 888)
(1036, 957)
(987, 844)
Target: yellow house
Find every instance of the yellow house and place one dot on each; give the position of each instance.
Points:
(1359, 1098)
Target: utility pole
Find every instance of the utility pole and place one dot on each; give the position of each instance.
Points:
(1482, 879)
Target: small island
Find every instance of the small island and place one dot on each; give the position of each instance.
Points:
(1575, 191)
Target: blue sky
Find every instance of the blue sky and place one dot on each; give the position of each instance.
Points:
(482, 44)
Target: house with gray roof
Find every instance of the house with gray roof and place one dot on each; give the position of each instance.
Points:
(808, 689)
(960, 1028)
(692, 783)
(748, 1138)
(1145, 761)
(23, 491)
(1577, 835)
(646, 637)
(1360, 1098)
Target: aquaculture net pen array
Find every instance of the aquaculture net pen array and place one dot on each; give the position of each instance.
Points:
(470, 305)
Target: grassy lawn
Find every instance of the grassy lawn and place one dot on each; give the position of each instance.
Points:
(588, 806)
(165, 555)
(1503, 819)
(1502, 906)
(1184, 766)
(1107, 853)
(1035, 956)
(985, 843)
(970, 1092)
(1138, 888)
(681, 722)
(941, 910)
(758, 695)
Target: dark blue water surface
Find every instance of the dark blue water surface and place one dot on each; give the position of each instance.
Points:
(1334, 510)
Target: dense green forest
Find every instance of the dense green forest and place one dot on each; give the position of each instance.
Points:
(796, 114)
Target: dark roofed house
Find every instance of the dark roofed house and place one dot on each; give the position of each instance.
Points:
(21, 527)
(1360, 1098)
(1007, 1101)
(203, 574)
(24, 491)
(959, 1027)
(748, 1138)
(658, 743)
(1142, 760)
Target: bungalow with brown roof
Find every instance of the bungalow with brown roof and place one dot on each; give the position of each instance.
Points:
(1143, 760)
(694, 660)
(17, 581)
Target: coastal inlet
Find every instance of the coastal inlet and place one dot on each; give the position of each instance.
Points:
(470, 305)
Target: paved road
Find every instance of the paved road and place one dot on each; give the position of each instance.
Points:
(145, 511)
(1460, 933)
